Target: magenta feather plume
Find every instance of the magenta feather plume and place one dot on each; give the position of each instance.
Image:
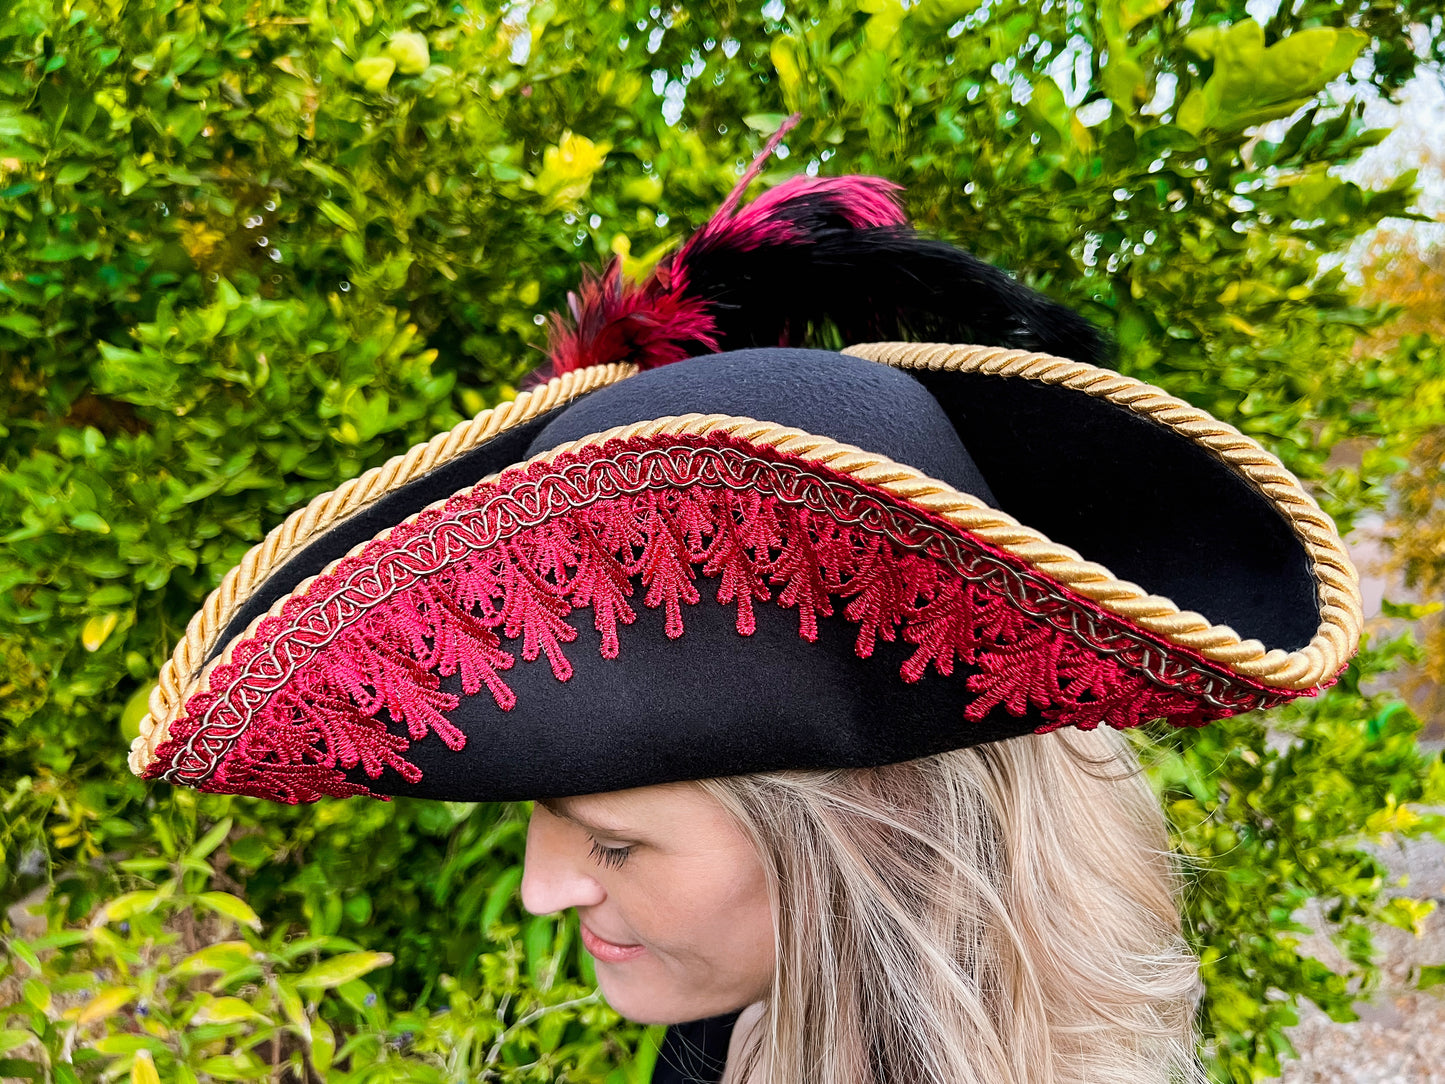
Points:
(811, 260)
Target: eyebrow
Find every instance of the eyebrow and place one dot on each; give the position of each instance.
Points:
(558, 807)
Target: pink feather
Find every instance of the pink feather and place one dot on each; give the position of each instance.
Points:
(658, 321)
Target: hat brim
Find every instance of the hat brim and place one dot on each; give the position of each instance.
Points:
(1149, 657)
(350, 514)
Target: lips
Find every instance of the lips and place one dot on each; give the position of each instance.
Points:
(608, 952)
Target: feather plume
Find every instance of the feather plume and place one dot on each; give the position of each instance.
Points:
(812, 258)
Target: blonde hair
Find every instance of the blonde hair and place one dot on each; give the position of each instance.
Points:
(1004, 914)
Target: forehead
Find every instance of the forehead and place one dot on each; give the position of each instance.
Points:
(667, 803)
(592, 811)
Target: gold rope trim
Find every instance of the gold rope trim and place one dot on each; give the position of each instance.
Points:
(1341, 608)
(968, 513)
(178, 679)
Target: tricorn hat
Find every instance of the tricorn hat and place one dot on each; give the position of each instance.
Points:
(699, 544)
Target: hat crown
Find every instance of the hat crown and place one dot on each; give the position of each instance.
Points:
(853, 400)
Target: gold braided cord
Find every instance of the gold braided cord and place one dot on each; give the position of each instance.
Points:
(177, 678)
(968, 513)
(1338, 584)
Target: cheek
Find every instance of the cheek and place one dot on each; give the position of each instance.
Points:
(700, 917)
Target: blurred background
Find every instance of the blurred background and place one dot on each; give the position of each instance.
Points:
(251, 249)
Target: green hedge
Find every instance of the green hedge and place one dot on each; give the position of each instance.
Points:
(251, 249)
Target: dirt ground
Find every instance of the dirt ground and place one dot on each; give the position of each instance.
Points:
(1400, 1036)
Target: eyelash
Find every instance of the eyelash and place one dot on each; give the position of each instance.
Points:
(612, 857)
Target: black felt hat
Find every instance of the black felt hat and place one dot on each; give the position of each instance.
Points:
(700, 545)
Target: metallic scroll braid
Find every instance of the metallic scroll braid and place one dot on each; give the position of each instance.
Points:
(295, 699)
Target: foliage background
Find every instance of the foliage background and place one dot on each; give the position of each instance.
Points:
(252, 247)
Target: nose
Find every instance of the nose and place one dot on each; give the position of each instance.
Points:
(553, 877)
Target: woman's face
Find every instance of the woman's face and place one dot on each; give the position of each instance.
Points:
(670, 893)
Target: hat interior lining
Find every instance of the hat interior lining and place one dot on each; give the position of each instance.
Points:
(1128, 493)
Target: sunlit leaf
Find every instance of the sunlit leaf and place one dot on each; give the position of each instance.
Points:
(409, 50)
(143, 1069)
(106, 1003)
(97, 630)
(130, 904)
(13, 1038)
(343, 968)
(374, 72)
(224, 903)
(221, 956)
(226, 1010)
(336, 214)
(323, 1045)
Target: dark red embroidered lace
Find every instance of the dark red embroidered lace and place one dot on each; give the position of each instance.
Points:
(453, 591)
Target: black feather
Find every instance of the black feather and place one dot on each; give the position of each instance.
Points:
(879, 283)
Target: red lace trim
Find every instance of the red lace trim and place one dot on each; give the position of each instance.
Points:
(451, 593)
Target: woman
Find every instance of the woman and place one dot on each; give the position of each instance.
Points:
(998, 913)
(808, 619)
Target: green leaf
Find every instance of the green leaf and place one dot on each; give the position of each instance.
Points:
(1134, 12)
(73, 172)
(1125, 82)
(1431, 975)
(227, 296)
(227, 1010)
(97, 630)
(343, 968)
(222, 956)
(337, 215)
(1251, 84)
(144, 865)
(539, 935)
(36, 994)
(765, 123)
(1203, 41)
(211, 840)
(374, 72)
(130, 904)
(12, 1038)
(409, 50)
(89, 521)
(224, 903)
(1299, 65)
(21, 323)
(121, 1044)
(237, 1066)
(323, 1046)
(502, 893)
(137, 707)
(132, 178)
(292, 1007)
(26, 953)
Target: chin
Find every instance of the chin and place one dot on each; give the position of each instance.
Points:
(640, 1005)
(644, 1003)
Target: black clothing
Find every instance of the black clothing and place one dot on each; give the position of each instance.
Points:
(695, 1052)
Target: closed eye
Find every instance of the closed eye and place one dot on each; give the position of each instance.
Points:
(612, 857)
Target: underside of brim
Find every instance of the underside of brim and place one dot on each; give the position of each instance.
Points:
(1110, 652)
